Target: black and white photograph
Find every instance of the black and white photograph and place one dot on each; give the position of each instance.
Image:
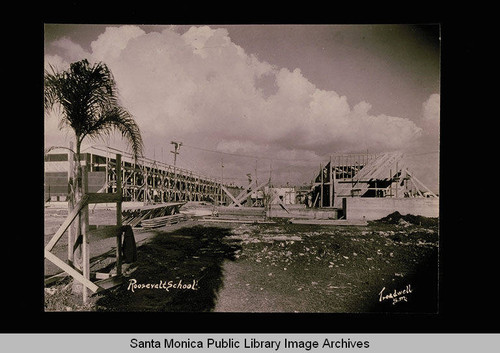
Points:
(241, 168)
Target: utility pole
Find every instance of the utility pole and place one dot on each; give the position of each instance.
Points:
(177, 145)
(221, 179)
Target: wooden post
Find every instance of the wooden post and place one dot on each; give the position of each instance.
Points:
(108, 177)
(119, 214)
(71, 271)
(351, 169)
(134, 191)
(331, 182)
(391, 179)
(71, 202)
(334, 178)
(146, 189)
(85, 228)
(397, 179)
(153, 181)
(322, 184)
(175, 185)
(343, 166)
(414, 179)
(162, 186)
(75, 213)
(222, 181)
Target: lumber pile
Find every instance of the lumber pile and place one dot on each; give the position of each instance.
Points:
(153, 216)
(330, 222)
(238, 215)
(248, 220)
(158, 222)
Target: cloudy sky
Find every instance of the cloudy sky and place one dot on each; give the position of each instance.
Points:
(276, 99)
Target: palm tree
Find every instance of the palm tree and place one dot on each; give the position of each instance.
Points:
(89, 101)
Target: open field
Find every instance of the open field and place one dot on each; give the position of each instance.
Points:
(389, 265)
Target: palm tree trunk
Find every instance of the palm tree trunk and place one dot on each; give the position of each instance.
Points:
(77, 195)
(77, 287)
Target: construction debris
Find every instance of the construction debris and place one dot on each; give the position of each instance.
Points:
(158, 222)
(330, 222)
(153, 216)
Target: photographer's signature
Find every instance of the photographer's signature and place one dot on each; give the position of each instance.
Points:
(396, 296)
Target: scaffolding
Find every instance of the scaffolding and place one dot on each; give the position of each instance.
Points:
(365, 175)
(143, 179)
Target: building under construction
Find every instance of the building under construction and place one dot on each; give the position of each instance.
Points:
(348, 186)
(367, 182)
(365, 175)
(143, 179)
(349, 190)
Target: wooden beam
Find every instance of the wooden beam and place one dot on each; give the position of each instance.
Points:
(425, 187)
(242, 192)
(104, 198)
(331, 183)
(54, 278)
(334, 179)
(283, 206)
(71, 271)
(398, 173)
(330, 222)
(315, 200)
(415, 185)
(222, 220)
(119, 214)
(240, 199)
(85, 229)
(230, 195)
(322, 185)
(71, 202)
(67, 223)
(110, 282)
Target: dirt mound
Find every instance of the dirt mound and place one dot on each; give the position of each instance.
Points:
(398, 218)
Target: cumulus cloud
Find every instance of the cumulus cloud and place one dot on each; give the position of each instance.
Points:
(429, 123)
(205, 89)
(110, 44)
(431, 114)
(71, 51)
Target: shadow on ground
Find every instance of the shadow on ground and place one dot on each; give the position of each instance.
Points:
(417, 291)
(188, 262)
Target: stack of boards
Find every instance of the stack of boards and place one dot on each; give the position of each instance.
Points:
(162, 221)
(154, 216)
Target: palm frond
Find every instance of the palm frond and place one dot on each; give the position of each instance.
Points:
(88, 98)
(119, 119)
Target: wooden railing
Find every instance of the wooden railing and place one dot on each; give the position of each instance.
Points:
(80, 212)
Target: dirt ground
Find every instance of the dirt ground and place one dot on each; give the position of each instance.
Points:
(389, 265)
